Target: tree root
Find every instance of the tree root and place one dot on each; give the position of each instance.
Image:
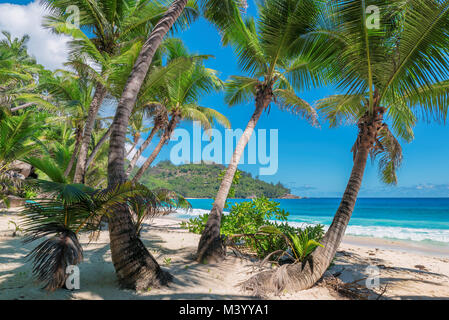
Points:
(147, 280)
(211, 249)
(271, 281)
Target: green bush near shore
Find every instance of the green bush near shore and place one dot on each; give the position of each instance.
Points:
(245, 221)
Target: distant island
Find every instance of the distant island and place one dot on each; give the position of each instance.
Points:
(201, 181)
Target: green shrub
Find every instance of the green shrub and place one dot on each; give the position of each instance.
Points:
(245, 221)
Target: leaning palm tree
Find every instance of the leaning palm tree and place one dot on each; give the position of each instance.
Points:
(137, 128)
(391, 76)
(72, 95)
(180, 99)
(67, 210)
(115, 25)
(134, 264)
(268, 52)
(159, 115)
(177, 61)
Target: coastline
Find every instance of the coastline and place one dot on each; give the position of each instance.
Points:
(398, 245)
(407, 275)
(372, 242)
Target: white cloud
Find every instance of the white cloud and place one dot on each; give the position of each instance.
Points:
(49, 49)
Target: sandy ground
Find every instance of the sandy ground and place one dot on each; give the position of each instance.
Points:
(408, 272)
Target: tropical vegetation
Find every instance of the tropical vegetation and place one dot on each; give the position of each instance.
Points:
(200, 181)
(71, 139)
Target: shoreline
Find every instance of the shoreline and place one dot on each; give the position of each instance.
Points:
(407, 275)
(411, 246)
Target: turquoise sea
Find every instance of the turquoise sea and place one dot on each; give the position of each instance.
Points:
(424, 220)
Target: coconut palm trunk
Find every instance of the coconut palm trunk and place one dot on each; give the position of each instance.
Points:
(210, 247)
(142, 148)
(301, 276)
(165, 137)
(135, 266)
(78, 138)
(80, 170)
(97, 147)
(132, 88)
(135, 142)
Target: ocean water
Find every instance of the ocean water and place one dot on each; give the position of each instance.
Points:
(424, 220)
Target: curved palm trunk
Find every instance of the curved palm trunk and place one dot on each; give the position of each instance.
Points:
(135, 142)
(80, 170)
(142, 148)
(135, 266)
(301, 276)
(97, 148)
(210, 247)
(78, 137)
(165, 137)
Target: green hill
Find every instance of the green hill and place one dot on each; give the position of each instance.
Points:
(201, 181)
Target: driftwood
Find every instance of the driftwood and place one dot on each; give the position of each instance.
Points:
(352, 290)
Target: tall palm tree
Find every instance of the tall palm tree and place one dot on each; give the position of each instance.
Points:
(159, 115)
(115, 25)
(177, 61)
(69, 209)
(220, 12)
(73, 92)
(180, 98)
(134, 264)
(19, 75)
(269, 52)
(137, 128)
(390, 77)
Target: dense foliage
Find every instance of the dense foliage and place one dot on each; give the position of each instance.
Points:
(58, 150)
(200, 181)
(260, 226)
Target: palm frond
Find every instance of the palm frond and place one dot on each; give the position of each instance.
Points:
(289, 101)
(390, 152)
(342, 109)
(239, 89)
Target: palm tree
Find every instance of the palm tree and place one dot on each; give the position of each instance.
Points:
(159, 115)
(177, 61)
(134, 264)
(180, 99)
(137, 128)
(220, 12)
(268, 52)
(390, 76)
(70, 209)
(19, 75)
(73, 93)
(115, 25)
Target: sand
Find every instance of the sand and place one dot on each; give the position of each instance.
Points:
(407, 271)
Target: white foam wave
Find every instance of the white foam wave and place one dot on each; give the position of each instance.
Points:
(438, 235)
(192, 212)
(400, 233)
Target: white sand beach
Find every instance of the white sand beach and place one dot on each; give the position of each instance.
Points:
(406, 272)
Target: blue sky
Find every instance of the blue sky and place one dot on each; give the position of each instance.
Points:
(314, 162)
